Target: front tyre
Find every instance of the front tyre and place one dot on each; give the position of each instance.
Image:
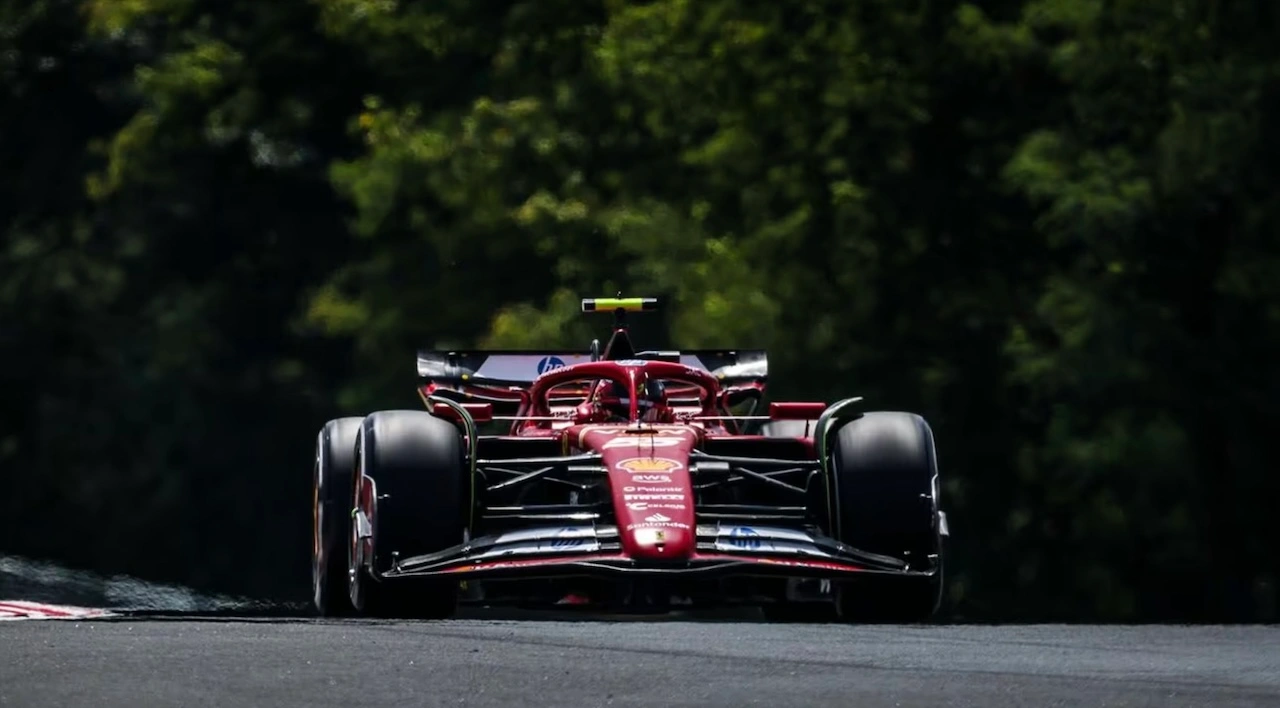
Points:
(331, 516)
(420, 493)
(885, 489)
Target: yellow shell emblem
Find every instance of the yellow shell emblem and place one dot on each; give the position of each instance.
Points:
(649, 464)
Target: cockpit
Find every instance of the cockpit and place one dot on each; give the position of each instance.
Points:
(622, 392)
(613, 401)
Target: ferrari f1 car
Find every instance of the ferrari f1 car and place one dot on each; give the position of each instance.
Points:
(622, 479)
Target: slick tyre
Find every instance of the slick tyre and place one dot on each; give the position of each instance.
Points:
(885, 494)
(417, 466)
(331, 516)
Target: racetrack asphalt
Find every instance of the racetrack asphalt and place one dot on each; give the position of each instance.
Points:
(646, 663)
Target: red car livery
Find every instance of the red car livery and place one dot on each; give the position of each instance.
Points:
(625, 479)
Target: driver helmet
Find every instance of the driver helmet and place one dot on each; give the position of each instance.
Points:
(616, 400)
(653, 398)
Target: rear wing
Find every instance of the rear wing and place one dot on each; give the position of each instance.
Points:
(519, 368)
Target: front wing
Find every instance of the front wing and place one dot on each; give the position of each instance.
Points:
(596, 551)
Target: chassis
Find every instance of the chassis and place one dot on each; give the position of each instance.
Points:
(506, 491)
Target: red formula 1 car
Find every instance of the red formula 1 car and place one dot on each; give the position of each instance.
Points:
(623, 479)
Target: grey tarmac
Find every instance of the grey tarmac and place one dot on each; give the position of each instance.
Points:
(645, 663)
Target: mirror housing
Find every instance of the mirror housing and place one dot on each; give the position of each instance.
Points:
(730, 398)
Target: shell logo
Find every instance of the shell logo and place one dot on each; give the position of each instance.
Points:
(649, 464)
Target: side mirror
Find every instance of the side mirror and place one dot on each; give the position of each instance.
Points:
(796, 410)
(736, 396)
(743, 400)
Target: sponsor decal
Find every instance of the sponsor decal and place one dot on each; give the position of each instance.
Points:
(658, 520)
(550, 363)
(651, 536)
(641, 442)
(523, 367)
(638, 478)
(646, 435)
(565, 539)
(744, 537)
(652, 497)
(646, 506)
(665, 524)
(654, 490)
(641, 465)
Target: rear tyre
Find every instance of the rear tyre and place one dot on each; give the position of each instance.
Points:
(417, 466)
(886, 501)
(331, 516)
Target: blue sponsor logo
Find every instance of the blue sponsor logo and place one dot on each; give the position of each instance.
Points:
(550, 363)
(562, 542)
(745, 538)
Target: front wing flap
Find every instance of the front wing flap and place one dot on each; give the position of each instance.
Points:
(596, 550)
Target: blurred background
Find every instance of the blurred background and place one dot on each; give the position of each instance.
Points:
(1048, 226)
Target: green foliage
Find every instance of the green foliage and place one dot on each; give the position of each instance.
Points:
(1047, 225)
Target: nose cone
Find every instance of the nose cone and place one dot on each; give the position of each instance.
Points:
(652, 489)
(658, 537)
(653, 502)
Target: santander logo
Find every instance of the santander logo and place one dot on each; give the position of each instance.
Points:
(659, 521)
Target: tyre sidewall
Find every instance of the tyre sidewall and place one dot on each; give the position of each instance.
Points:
(331, 518)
